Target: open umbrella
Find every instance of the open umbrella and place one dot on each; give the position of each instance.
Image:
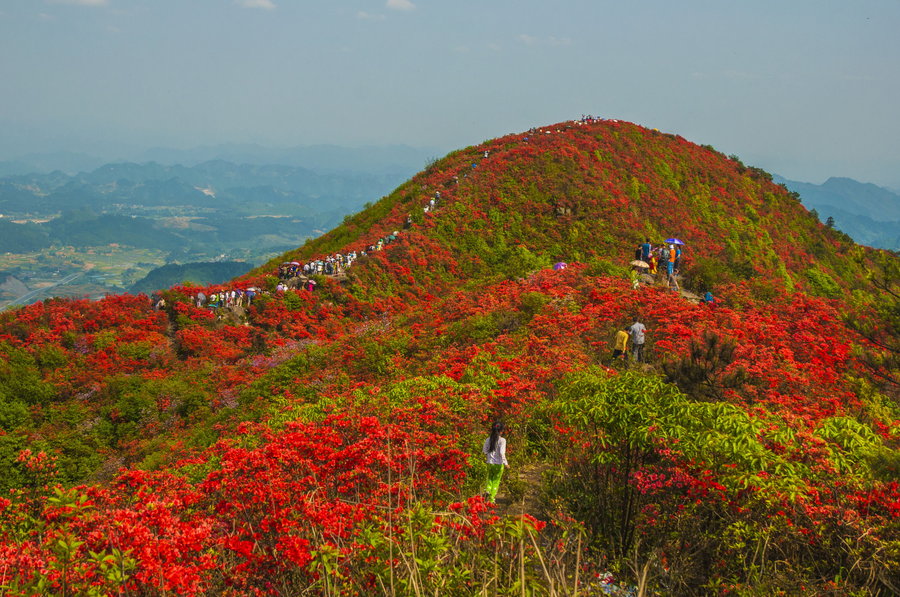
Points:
(559, 265)
(639, 263)
(674, 241)
(298, 263)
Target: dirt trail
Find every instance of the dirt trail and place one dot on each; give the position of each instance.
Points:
(520, 490)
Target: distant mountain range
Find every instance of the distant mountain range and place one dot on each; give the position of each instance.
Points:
(868, 213)
(188, 206)
(214, 188)
(389, 159)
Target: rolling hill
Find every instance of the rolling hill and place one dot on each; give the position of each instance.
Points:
(329, 441)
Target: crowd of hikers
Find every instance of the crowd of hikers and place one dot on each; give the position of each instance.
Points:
(653, 260)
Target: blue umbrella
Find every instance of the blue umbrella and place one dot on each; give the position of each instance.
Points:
(559, 265)
(674, 241)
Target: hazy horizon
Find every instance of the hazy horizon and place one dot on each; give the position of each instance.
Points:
(801, 89)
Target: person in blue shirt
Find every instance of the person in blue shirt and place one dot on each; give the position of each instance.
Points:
(646, 248)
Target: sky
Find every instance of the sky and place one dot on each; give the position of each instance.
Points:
(806, 89)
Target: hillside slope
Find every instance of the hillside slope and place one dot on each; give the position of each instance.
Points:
(592, 193)
(328, 441)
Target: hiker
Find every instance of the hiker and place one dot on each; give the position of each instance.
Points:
(670, 267)
(495, 450)
(673, 283)
(637, 330)
(708, 298)
(620, 345)
(646, 249)
(677, 259)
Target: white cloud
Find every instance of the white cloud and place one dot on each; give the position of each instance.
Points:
(400, 4)
(365, 16)
(265, 4)
(82, 2)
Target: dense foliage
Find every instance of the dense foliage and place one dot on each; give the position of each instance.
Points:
(329, 441)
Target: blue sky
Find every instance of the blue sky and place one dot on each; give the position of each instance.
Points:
(805, 88)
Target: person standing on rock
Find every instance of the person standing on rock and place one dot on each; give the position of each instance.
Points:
(494, 449)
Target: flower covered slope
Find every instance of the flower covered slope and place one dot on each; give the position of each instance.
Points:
(328, 441)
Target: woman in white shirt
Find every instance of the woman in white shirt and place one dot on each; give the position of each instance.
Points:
(495, 450)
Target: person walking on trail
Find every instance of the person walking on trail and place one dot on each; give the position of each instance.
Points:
(495, 450)
(620, 345)
(670, 269)
(637, 330)
(673, 282)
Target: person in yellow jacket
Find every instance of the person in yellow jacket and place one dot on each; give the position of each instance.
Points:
(620, 345)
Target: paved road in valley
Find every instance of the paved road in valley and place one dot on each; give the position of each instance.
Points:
(23, 300)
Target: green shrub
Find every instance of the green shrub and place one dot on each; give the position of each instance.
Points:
(603, 267)
(822, 284)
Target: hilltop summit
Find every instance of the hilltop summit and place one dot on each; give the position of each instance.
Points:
(591, 192)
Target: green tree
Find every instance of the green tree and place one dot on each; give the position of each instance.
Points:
(705, 372)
